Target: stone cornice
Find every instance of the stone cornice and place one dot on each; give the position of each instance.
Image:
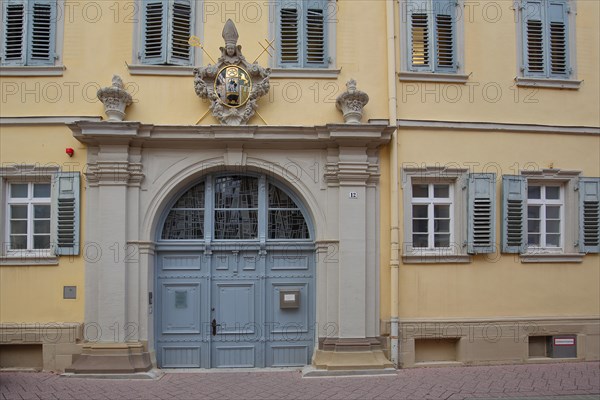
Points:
(370, 135)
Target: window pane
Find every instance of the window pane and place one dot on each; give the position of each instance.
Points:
(441, 191)
(236, 224)
(18, 190)
(42, 226)
(552, 192)
(41, 190)
(534, 192)
(552, 240)
(41, 211)
(236, 192)
(18, 227)
(420, 211)
(18, 212)
(184, 224)
(193, 198)
(553, 226)
(441, 226)
(278, 198)
(18, 242)
(533, 240)
(287, 224)
(41, 242)
(533, 211)
(553, 212)
(419, 240)
(420, 191)
(533, 226)
(419, 225)
(442, 240)
(441, 211)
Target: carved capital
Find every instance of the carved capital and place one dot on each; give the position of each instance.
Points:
(115, 99)
(351, 103)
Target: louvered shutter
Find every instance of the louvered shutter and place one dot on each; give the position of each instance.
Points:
(154, 32)
(420, 33)
(445, 40)
(534, 47)
(13, 32)
(289, 35)
(315, 54)
(482, 213)
(514, 206)
(557, 39)
(180, 30)
(65, 212)
(589, 215)
(42, 31)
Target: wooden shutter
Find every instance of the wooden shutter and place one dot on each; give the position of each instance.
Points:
(420, 47)
(482, 213)
(13, 32)
(180, 29)
(514, 206)
(534, 38)
(154, 34)
(315, 36)
(445, 40)
(289, 35)
(65, 212)
(42, 32)
(557, 38)
(589, 215)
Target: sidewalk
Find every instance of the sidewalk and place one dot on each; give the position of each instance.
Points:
(564, 381)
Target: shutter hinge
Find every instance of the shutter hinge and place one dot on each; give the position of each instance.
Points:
(139, 55)
(329, 60)
(568, 9)
(522, 68)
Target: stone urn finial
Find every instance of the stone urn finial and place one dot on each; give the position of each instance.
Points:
(351, 103)
(115, 98)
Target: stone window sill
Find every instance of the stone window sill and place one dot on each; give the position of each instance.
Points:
(436, 258)
(17, 70)
(552, 258)
(548, 83)
(432, 77)
(26, 259)
(165, 70)
(312, 73)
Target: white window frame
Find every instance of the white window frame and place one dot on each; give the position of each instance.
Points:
(406, 74)
(22, 173)
(543, 202)
(430, 201)
(39, 70)
(137, 68)
(529, 81)
(457, 179)
(30, 201)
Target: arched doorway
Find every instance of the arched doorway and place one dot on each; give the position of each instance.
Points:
(235, 276)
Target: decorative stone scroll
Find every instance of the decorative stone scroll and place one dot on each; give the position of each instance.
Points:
(233, 85)
(115, 99)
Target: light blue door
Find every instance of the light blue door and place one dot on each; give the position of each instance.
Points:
(235, 277)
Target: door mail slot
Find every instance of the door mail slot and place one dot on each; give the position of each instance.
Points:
(289, 299)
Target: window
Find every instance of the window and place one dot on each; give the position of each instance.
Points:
(166, 28)
(28, 216)
(545, 38)
(29, 31)
(40, 214)
(449, 214)
(302, 34)
(431, 36)
(550, 216)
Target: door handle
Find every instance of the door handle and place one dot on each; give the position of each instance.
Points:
(214, 325)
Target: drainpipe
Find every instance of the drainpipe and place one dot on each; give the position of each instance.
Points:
(394, 204)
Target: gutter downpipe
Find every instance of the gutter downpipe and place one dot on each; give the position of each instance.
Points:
(394, 204)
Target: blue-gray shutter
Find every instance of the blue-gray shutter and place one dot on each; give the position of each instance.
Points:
(534, 38)
(14, 32)
(154, 32)
(420, 47)
(514, 218)
(589, 215)
(445, 36)
(41, 38)
(180, 23)
(65, 212)
(558, 39)
(290, 31)
(315, 37)
(482, 213)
